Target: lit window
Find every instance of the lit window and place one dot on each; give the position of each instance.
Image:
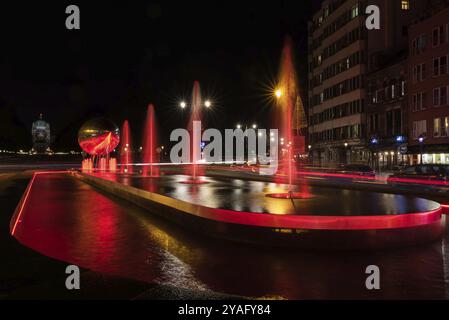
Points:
(405, 4)
(355, 11)
(436, 127)
(419, 129)
(445, 128)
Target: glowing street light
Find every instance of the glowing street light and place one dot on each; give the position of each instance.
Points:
(182, 104)
(254, 126)
(278, 93)
(239, 126)
(207, 104)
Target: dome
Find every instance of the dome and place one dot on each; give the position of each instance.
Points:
(99, 136)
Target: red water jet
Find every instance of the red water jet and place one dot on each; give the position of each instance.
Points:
(125, 149)
(291, 119)
(150, 154)
(195, 170)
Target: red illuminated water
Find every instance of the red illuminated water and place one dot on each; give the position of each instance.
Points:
(150, 144)
(286, 111)
(106, 235)
(195, 170)
(125, 149)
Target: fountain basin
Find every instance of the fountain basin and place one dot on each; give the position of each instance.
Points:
(370, 221)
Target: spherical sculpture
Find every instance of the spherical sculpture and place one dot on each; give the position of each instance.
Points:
(99, 136)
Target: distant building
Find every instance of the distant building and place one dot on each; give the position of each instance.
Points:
(386, 114)
(342, 52)
(40, 133)
(429, 87)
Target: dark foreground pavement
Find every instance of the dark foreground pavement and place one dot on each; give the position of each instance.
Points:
(25, 274)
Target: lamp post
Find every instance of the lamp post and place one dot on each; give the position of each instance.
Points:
(421, 142)
(310, 154)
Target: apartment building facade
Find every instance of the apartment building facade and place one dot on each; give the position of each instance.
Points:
(428, 79)
(386, 114)
(342, 52)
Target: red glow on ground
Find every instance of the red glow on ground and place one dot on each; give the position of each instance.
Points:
(445, 208)
(290, 195)
(24, 199)
(194, 181)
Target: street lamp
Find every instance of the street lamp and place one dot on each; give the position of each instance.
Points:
(375, 159)
(182, 104)
(239, 126)
(254, 126)
(421, 139)
(207, 104)
(278, 93)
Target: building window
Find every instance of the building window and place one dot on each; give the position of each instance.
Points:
(436, 67)
(405, 4)
(441, 127)
(436, 127)
(443, 65)
(438, 36)
(419, 45)
(419, 129)
(435, 37)
(443, 96)
(419, 101)
(440, 96)
(440, 66)
(419, 72)
(397, 114)
(436, 97)
(445, 127)
(402, 88)
(355, 11)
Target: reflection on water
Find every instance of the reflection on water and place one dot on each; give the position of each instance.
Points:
(245, 195)
(68, 220)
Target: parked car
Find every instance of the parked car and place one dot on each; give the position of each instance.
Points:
(357, 169)
(424, 172)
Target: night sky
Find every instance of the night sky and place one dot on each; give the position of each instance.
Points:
(131, 53)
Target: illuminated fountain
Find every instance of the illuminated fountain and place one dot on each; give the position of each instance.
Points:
(98, 138)
(291, 119)
(150, 156)
(125, 149)
(195, 170)
(254, 208)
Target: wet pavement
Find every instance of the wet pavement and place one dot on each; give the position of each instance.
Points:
(69, 220)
